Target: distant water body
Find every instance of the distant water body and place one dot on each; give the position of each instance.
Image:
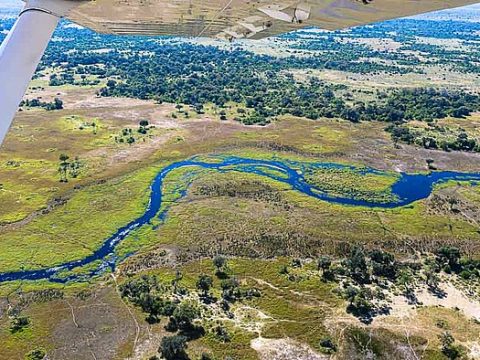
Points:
(407, 189)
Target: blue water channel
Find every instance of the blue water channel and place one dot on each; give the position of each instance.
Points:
(406, 190)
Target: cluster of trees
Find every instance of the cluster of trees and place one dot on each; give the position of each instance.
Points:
(433, 139)
(184, 313)
(143, 127)
(127, 134)
(450, 260)
(271, 94)
(450, 349)
(154, 298)
(68, 77)
(36, 354)
(268, 93)
(68, 168)
(62, 79)
(363, 275)
(196, 75)
(230, 286)
(56, 104)
(424, 104)
(149, 294)
(19, 323)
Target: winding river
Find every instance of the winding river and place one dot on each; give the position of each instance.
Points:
(407, 189)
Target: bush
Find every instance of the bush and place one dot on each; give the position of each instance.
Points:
(19, 323)
(222, 334)
(36, 354)
(327, 346)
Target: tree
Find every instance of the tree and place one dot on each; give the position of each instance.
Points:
(175, 282)
(448, 257)
(350, 293)
(432, 279)
(383, 264)
(63, 167)
(220, 263)
(184, 315)
(74, 167)
(327, 346)
(204, 284)
(324, 263)
(358, 265)
(19, 323)
(173, 347)
(152, 305)
(360, 301)
(111, 84)
(283, 270)
(406, 280)
(58, 104)
(64, 157)
(222, 334)
(230, 289)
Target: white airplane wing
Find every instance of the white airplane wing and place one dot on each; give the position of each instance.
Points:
(233, 19)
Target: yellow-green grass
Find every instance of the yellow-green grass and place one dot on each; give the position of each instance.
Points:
(43, 317)
(64, 228)
(29, 160)
(29, 163)
(76, 229)
(36, 335)
(315, 137)
(213, 111)
(26, 185)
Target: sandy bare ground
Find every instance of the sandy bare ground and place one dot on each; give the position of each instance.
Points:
(452, 299)
(435, 76)
(386, 44)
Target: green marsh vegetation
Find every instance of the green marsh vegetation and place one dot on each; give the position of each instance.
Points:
(354, 183)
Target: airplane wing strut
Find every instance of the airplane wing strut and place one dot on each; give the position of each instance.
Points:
(22, 50)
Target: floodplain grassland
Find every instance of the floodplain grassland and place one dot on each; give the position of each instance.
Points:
(289, 223)
(264, 218)
(78, 227)
(101, 198)
(271, 235)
